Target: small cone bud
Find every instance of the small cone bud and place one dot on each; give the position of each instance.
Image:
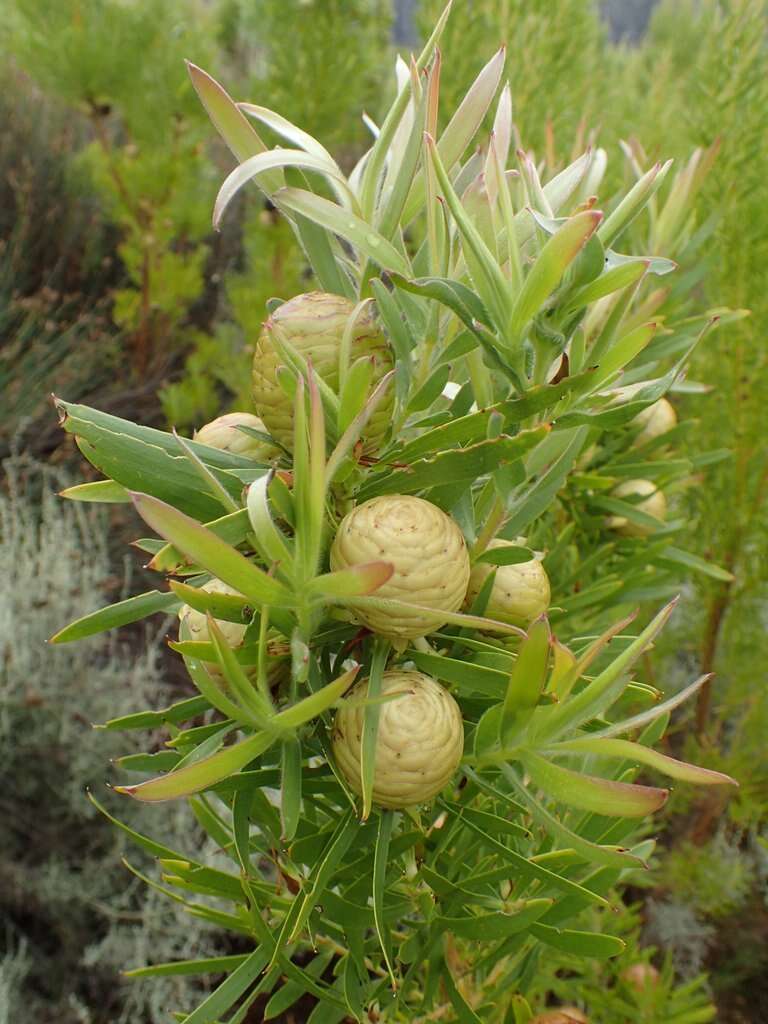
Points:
(234, 634)
(654, 421)
(520, 592)
(653, 503)
(197, 622)
(223, 433)
(641, 977)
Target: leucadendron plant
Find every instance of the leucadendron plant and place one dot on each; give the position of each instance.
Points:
(417, 787)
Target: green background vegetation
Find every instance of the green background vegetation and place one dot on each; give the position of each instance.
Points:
(115, 291)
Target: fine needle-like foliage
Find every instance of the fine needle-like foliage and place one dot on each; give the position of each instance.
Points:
(363, 586)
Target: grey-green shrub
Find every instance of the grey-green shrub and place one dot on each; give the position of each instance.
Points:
(73, 916)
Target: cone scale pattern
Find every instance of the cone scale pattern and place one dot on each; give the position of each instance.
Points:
(313, 325)
(427, 550)
(520, 592)
(419, 742)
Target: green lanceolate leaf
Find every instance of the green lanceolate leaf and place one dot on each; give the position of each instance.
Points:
(156, 849)
(474, 426)
(285, 128)
(457, 297)
(527, 678)
(256, 166)
(273, 544)
(430, 390)
(464, 1012)
(321, 248)
(381, 649)
(633, 203)
(522, 1013)
(354, 430)
(546, 273)
(489, 279)
(491, 927)
(332, 217)
(209, 479)
(456, 618)
(257, 708)
(531, 870)
(464, 124)
(182, 711)
(291, 991)
(612, 280)
(229, 121)
(149, 460)
(207, 965)
(601, 796)
(316, 703)
(622, 352)
(290, 787)
(376, 161)
(659, 710)
(456, 464)
(228, 607)
(354, 384)
(625, 750)
(380, 865)
(571, 669)
(121, 614)
(232, 528)
(205, 773)
(589, 944)
(604, 689)
(675, 557)
(490, 822)
(202, 774)
(100, 490)
(565, 837)
(506, 556)
(208, 550)
(468, 677)
(354, 582)
(336, 848)
(536, 498)
(215, 696)
(227, 994)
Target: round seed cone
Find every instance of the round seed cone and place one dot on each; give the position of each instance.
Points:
(419, 742)
(427, 550)
(223, 433)
(520, 592)
(654, 421)
(197, 622)
(655, 504)
(313, 324)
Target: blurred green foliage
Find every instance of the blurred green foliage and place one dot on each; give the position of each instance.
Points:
(553, 52)
(72, 917)
(144, 149)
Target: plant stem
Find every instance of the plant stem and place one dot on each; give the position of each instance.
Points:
(488, 531)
